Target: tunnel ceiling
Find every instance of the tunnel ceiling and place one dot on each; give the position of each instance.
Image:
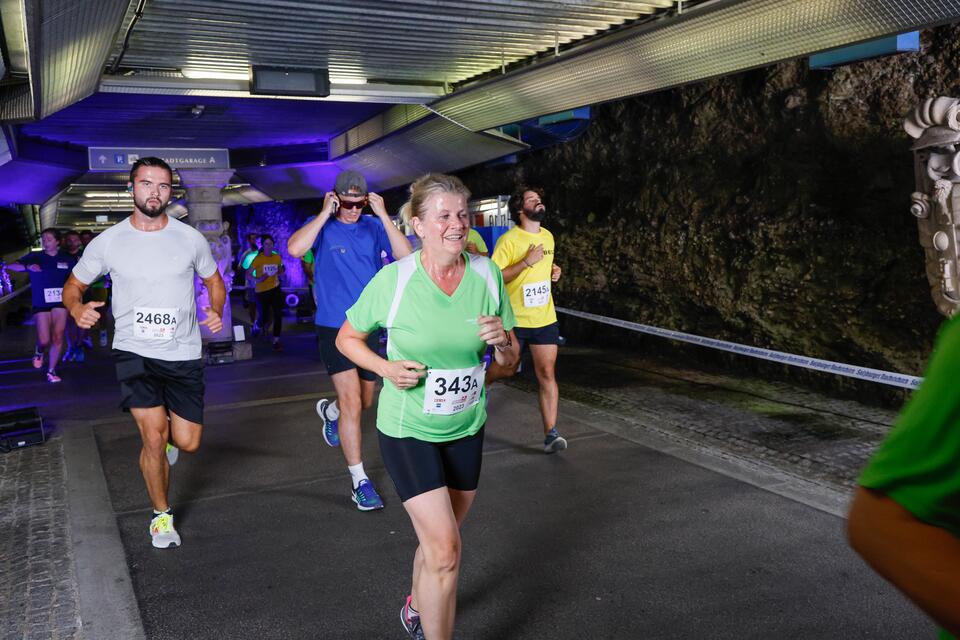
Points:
(114, 119)
(412, 41)
(477, 64)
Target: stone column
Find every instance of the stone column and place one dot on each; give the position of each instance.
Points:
(204, 202)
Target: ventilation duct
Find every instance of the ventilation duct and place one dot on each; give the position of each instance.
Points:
(432, 145)
(66, 44)
(714, 39)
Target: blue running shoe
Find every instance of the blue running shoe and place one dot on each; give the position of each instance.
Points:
(366, 496)
(554, 442)
(331, 435)
(411, 621)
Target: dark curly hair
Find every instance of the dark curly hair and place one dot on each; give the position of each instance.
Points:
(516, 200)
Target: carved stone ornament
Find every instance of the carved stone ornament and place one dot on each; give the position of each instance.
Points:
(935, 127)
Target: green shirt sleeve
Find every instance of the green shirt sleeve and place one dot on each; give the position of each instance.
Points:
(248, 259)
(370, 310)
(918, 465)
(474, 236)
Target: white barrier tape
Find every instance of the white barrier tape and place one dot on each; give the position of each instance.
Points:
(851, 371)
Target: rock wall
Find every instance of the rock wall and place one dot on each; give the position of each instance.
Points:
(770, 208)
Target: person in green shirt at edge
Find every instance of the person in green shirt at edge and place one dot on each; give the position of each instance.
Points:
(475, 244)
(249, 292)
(905, 517)
(441, 307)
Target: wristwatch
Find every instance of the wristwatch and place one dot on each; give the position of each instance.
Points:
(506, 345)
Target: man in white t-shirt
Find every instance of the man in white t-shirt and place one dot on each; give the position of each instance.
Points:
(151, 259)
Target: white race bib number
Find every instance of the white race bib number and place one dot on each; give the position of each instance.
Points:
(271, 269)
(52, 295)
(155, 323)
(536, 294)
(450, 391)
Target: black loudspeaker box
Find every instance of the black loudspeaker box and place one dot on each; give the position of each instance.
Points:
(21, 428)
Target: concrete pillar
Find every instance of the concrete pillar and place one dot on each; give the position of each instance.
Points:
(204, 201)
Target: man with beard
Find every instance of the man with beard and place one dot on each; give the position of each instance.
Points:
(525, 256)
(151, 259)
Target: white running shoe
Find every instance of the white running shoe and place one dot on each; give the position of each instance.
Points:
(162, 532)
(173, 454)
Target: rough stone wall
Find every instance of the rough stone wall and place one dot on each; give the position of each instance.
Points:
(770, 208)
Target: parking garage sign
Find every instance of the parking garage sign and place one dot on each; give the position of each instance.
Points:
(122, 158)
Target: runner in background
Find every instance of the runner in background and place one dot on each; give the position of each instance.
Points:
(525, 255)
(48, 271)
(266, 270)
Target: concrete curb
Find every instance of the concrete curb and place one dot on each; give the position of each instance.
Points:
(108, 607)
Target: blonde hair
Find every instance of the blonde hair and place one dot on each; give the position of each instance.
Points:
(426, 186)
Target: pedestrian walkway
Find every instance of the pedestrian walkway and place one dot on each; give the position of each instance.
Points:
(611, 539)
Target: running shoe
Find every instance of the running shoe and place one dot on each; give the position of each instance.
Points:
(366, 496)
(37, 359)
(162, 531)
(554, 442)
(53, 377)
(411, 621)
(173, 454)
(331, 434)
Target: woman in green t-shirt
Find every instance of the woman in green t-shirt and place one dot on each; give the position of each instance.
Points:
(441, 307)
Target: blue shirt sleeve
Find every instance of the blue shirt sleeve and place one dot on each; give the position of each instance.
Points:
(384, 240)
(316, 241)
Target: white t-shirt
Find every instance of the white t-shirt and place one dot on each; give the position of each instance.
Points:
(153, 286)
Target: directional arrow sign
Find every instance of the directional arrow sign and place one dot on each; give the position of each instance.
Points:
(122, 158)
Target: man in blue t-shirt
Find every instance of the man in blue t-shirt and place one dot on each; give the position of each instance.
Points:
(48, 271)
(347, 248)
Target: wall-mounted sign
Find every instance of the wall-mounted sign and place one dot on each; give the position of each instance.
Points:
(122, 158)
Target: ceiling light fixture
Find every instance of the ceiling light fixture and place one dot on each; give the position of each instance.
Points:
(212, 74)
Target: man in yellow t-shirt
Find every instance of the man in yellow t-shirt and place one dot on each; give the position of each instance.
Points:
(525, 256)
(265, 270)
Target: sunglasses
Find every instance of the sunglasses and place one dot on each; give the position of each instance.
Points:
(360, 204)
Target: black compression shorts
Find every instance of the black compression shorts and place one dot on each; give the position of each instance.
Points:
(417, 466)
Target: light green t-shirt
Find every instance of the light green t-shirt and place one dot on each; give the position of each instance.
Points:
(474, 236)
(435, 329)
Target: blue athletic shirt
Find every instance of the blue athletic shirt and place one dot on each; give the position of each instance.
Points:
(54, 274)
(346, 257)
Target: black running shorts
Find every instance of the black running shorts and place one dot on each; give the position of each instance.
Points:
(549, 334)
(417, 466)
(336, 361)
(149, 382)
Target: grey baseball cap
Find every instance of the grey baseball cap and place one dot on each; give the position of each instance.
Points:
(351, 180)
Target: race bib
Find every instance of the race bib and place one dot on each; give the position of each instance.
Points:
(271, 269)
(536, 294)
(450, 391)
(63, 265)
(155, 323)
(53, 294)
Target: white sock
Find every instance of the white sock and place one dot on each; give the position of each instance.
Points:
(332, 410)
(357, 474)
